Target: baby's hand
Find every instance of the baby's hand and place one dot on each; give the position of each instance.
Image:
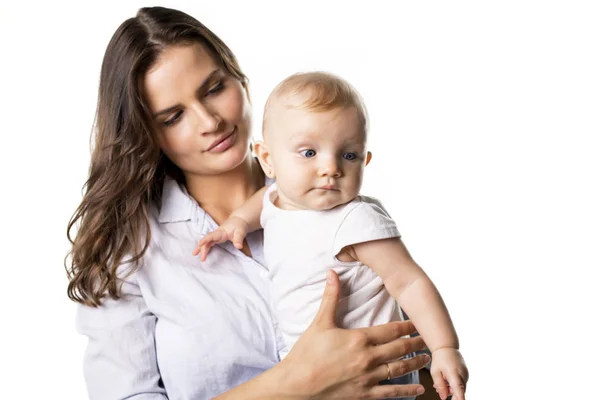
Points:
(449, 373)
(233, 229)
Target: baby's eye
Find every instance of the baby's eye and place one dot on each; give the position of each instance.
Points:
(350, 156)
(308, 153)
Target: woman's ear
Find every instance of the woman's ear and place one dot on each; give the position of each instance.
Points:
(369, 155)
(264, 158)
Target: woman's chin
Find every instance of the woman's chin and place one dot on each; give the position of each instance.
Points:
(232, 158)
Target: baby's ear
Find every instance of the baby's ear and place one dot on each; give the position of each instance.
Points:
(264, 158)
(369, 155)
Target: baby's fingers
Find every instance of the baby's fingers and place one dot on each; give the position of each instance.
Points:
(203, 248)
(457, 386)
(205, 241)
(440, 385)
(238, 238)
(212, 238)
(196, 250)
(204, 251)
(208, 241)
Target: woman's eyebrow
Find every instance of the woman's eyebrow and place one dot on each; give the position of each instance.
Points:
(202, 87)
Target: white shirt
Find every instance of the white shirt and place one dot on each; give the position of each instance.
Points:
(301, 246)
(185, 329)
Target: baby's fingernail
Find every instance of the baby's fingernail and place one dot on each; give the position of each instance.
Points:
(421, 390)
(329, 277)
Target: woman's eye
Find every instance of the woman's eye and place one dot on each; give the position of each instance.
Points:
(173, 119)
(350, 156)
(308, 153)
(215, 89)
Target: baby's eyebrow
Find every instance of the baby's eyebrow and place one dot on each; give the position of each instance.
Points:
(301, 136)
(355, 143)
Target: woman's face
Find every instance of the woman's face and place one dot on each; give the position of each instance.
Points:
(202, 113)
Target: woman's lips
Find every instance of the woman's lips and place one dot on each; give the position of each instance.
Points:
(223, 144)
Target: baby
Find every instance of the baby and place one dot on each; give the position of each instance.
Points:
(314, 219)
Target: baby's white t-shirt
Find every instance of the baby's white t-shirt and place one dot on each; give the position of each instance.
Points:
(300, 246)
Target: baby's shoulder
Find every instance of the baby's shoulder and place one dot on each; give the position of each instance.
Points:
(362, 208)
(368, 202)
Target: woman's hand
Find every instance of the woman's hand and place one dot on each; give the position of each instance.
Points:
(330, 363)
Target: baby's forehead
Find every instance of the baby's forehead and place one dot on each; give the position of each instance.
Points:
(288, 102)
(292, 125)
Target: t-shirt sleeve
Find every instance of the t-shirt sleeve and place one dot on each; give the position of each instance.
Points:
(266, 203)
(366, 221)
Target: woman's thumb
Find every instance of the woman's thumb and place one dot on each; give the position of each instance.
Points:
(326, 315)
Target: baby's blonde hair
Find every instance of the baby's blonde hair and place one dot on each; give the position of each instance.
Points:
(323, 91)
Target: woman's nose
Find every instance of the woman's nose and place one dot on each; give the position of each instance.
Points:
(207, 121)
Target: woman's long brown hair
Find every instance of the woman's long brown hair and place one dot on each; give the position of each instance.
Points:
(127, 168)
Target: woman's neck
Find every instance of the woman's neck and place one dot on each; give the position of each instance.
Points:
(219, 195)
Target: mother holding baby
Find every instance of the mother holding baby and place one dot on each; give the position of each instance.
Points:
(171, 161)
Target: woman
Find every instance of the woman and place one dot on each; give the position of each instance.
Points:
(171, 161)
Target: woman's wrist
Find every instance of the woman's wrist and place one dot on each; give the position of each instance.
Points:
(277, 383)
(287, 383)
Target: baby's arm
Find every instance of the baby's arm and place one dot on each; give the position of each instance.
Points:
(242, 221)
(418, 296)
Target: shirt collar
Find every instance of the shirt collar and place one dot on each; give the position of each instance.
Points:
(177, 204)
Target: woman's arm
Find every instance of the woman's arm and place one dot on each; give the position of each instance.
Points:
(329, 362)
(120, 360)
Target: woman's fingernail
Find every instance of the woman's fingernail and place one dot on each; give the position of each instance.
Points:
(427, 357)
(421, 390)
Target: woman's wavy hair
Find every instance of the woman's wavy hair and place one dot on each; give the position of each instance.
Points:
(127, 167)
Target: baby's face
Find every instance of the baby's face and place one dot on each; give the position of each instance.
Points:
(318, 157)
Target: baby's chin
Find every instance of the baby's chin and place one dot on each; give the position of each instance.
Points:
(328, 202)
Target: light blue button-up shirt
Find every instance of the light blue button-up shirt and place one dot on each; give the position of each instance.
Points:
(184, 329)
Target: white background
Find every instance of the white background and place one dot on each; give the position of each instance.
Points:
(485, 124)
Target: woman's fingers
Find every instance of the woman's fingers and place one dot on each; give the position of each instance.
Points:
(398, 348)
(406, 366)
(398, 368)
(395, 391)
(325, 317)
(385, 333)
